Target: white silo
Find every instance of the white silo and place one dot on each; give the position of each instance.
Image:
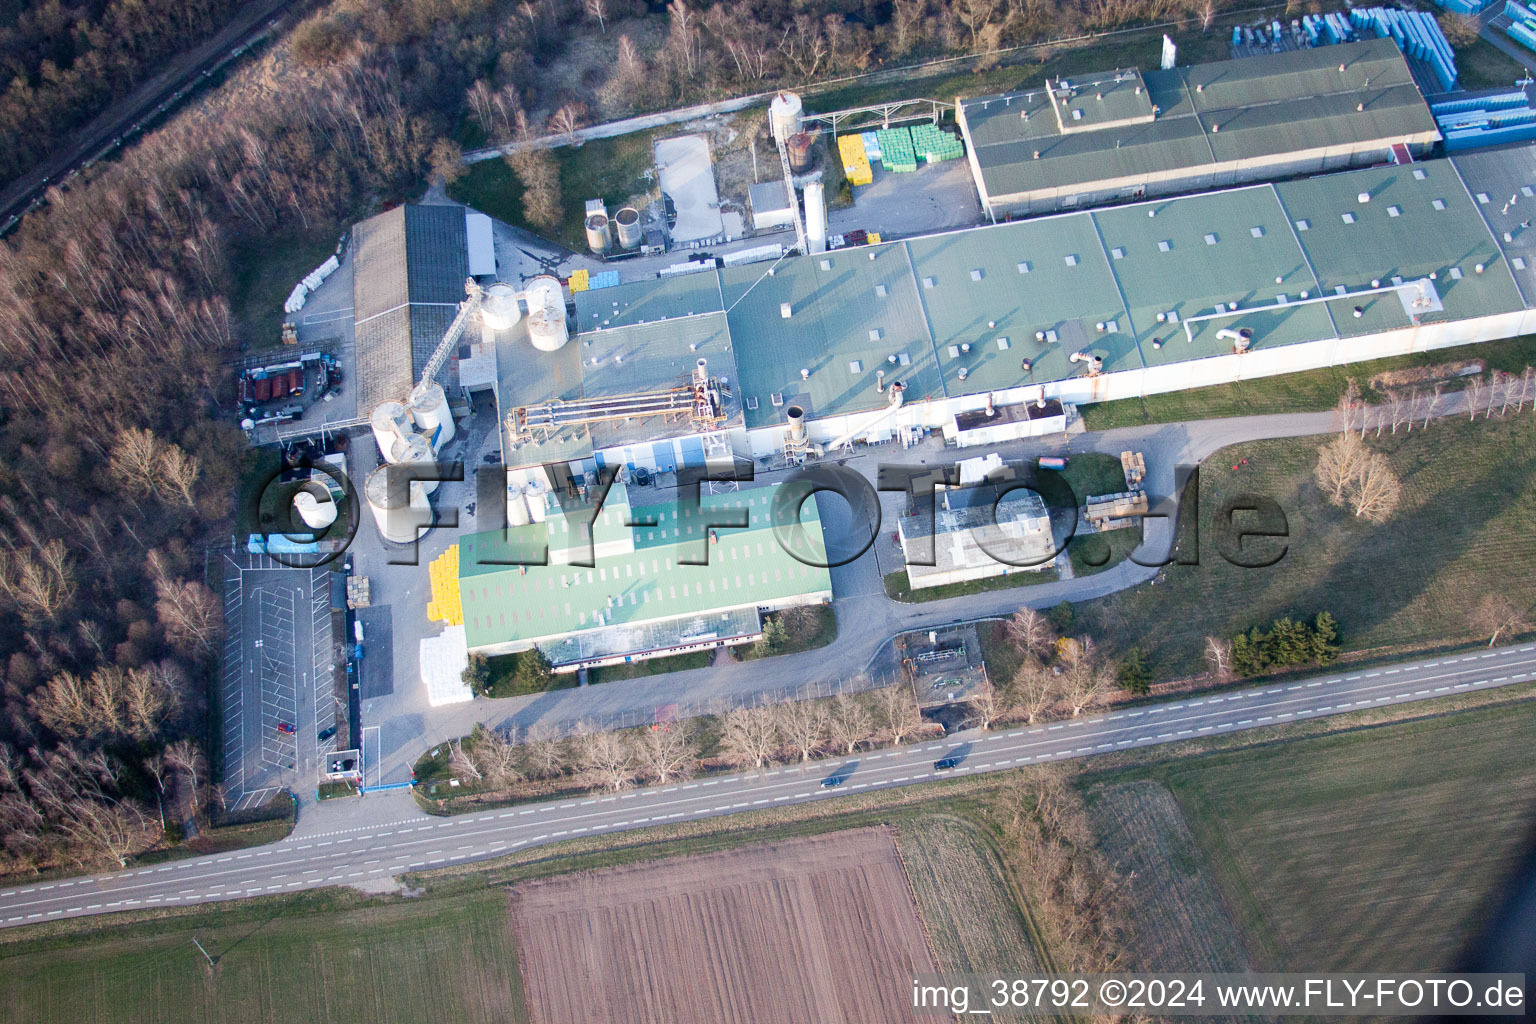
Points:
(786, 116)
(315, 507)
(417, 451)
(547, 330)
(391, 423)
(499, 309)
(544, 292)
(815, 217)
(392, 497)
(599, 237)
(429, 408)
(537, 496)
(517, 506)
(627, 223)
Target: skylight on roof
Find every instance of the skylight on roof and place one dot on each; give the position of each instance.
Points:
(1024, 267)
(1438, 204)
(1419, 173)
(1303, 224)
(1349, 218)
(880, 290)
(1002, 344)
(1117, 252)
(876, 334)
(1394, 211)
(1525, 190)
(1519, 262)
(1455, 273)
(1256, 231)
(1482, 197)
(976, 274)
(1072, 260)
(928, 282)
(826, 264)
(1165, 246)
(855, 366)
(1210, 239)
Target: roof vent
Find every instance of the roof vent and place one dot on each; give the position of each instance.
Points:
(1363, 197)
(784, 310)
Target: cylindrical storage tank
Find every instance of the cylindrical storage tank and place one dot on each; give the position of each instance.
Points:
(800, 145)
(627, 223)
(391, 422)
(547, 331)
(786, 116)
(795, 416)
(416, 450)
(598, 239)
(815, 217)
(316, 512)
(429, 408)
(544, 292)
(537, 496)
(499, 309)
(389, 496)
(517, 506)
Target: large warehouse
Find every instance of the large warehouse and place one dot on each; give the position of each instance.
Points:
(1079, 307)
(639, 599)
(1129, 134)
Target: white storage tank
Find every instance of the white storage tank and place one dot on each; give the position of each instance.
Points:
(391, 422)
(499, 309)
(547, 330)
(538, 500)
(598, 238)
(786, 116)
(517, 506)
(544, 292)
(392, 497)
(815, 217)
(429, 408)
(417, 451)
(627, 223)
(315, 507)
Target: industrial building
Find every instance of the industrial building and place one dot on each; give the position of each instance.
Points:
(986, 526)
(641, 598)
(410, 264)
(1125, 135)
(994, 333)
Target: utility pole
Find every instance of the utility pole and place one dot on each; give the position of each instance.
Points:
(203, 951)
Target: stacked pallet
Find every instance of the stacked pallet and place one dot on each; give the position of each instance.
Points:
(357, 592)
(444, 575)
(933, 144)
(579, 281)
(896, 153)
(855, 160)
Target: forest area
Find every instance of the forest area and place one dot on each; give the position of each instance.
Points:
(118, 464)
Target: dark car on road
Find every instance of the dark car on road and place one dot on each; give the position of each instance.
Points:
(946, 763)
(832, 780)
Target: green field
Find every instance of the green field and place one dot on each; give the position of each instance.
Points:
(1311, 390)
(1465, 528)
(1377, 849)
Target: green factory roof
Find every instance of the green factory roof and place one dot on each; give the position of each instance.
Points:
(647, 301)
(509, 604)
(852, 312)
(1228, 110)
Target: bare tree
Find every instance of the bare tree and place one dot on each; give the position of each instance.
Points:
(159, 771)
(1035, 691)
(1085, 684)
(135, 454)
(40, 581)
(850, 723)
(750, 736)
(185, 757)
(1497, 615)
(1375, 492)
(565, 121)
(190, 614)
(803, 724)
(605, 759)
(496, 757)
(176, 476)
(899, 711)
(987, 705)
(1218, 655)
(598, 11)
(1349, 406)
(1207, 14)
(460, 765)
(1476, 388)
(1031, 633)
(1432, 403)
(666, 753)
(1338, 464)
(544, 752)
(113, 829)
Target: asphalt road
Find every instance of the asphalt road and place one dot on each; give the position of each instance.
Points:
(356, 856)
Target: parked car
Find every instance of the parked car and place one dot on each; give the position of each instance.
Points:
(285, 728)
(326, 734)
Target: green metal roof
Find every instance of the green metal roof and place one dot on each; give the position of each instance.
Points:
(505, 604)
(647, 301)
(852, 312)
(1228, 110)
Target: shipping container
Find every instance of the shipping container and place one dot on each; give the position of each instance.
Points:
(263, 389)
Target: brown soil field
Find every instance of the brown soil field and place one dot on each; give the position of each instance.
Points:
(821, 930)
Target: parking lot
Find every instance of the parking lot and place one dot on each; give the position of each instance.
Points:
(278, 677)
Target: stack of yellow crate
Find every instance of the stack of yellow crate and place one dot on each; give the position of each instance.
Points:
(444, 573)
(580, 280)
(855, 159)
(873, 238)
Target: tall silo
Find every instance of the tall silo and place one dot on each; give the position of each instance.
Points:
(598, 238)
(517, 506)
(538, 497)
(499, 309)
(391, 423)
(547, 330)
(392, 496)
(544, 292)
(627, 223)
(429, 408)
(800, 147)
(786, 116)
(316, 507)
(815, 217)
(417, 451)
